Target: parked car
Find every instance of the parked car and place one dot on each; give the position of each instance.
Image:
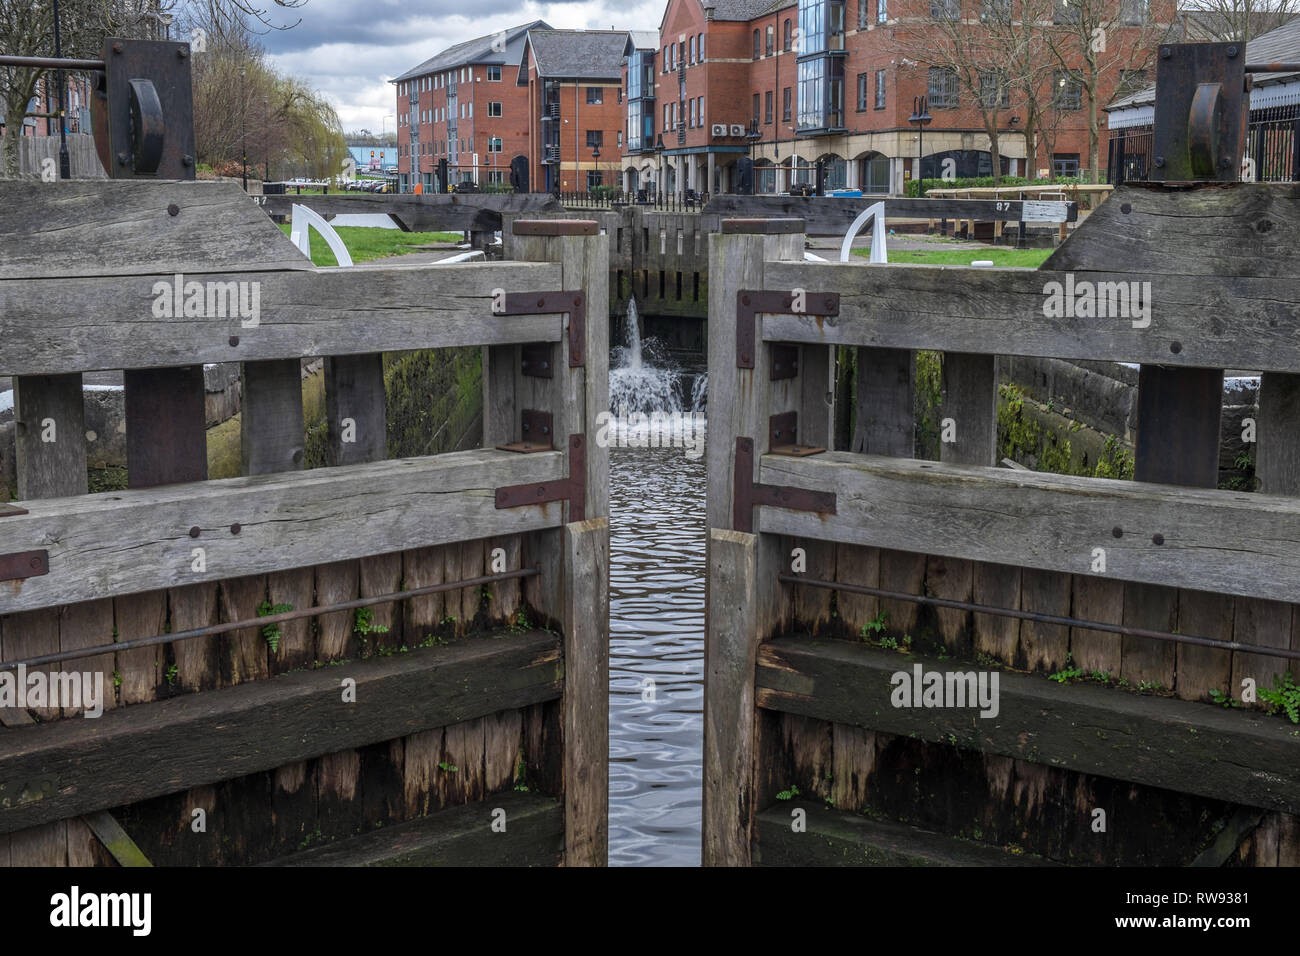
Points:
(468, 186)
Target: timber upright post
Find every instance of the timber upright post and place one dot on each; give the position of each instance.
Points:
(767, 396)
(555, 393)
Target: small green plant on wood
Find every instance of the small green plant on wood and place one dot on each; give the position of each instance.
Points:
(1222, 698)
(873, 626)
(1283, 696)
(1069, 673)
(889, 643)
(788, 794)
(519, 623)
(365, 625)
(447, 768)
(171, 674)
(272, 632)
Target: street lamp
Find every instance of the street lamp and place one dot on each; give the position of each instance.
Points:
(920, 116)
(595, 158)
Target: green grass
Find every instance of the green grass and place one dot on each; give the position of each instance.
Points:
(1023, 258)
(367, 242)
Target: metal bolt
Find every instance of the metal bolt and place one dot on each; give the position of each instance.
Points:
(1225, 163)
(1175, 347)
(182, 52)
(195, 531)
(234, 340)
(541, 303)
(1126, 208)
(234, 528)
(173, 210)
(744, 299)
(1165, 53)
(123, 158)
(117, 48)
(1117, 532)
(1231, 51)
(187, 160)
(36, 564)
(1158, 539)
(1160, 161)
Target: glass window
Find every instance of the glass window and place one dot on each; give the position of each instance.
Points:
(812, 28)
(1067, 91)
(1131, 81)
(635, 113)
(594, 179)
(812, 94)
(756, 44)
(755, 117)
(997, 10)
(595, 138)
(785, 104)
(767, 107)
(496, 177)
(494, 74)
(494, 144)
(786, 36)
(994, 90)
(1064, 11)
(1065, 164)
(882, 11)
(880, 89)
(771, 40)
(862, 92)
(699, 44)
(873, 174)
(595, 95)
(942, 92)
(947, 9)
(1133, 12)
(692, 49)
(692, 118)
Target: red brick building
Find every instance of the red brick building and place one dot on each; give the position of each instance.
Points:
(463, 108)
(788, 84)
(573, 82)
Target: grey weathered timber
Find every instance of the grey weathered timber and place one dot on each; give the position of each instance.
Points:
(271, 431)
(970, 399)
(1246, 544)
(1214, 229)
(586, 693)
(50, 437)
(1195, 321)
(126, 227)
(109, 323)
(122, 542)
(1277, 463)
(475, 212)
(165, 438)
(886, 389)
(732, 642)
(1232, 755)
(533, 835)
(356, 409)
(841, 838)
(832, 215)
(134, 753)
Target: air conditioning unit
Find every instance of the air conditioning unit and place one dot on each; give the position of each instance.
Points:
(719, 129)
(737, 129)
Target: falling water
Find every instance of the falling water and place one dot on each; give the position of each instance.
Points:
(641, 377)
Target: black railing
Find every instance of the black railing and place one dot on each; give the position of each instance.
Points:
(691, 201)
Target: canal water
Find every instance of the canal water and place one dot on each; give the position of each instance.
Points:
(656, 617)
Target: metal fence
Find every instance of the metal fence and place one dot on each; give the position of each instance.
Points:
(1272, 150)
(606, 199)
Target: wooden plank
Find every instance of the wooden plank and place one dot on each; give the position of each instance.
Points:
(355, 409)
(260, 725)
(732, 642)
(109, 323)
(1266, 624)
(192, 606)
(422, 567)
(853, 755)
(586, 693)
(856, 565)
(271, 431)
(833, 215)
(425, 213)
(139, 616)
(1101, 600)
(292, 589)
(838, 838)
(1277, 464)
(812, 605)
(970, 400)
(245, 654)
(165, 420)
(1045, 645)
(50, 437)
(952, 579)
(126, 227)
(116, 840)
(1203, 669)
(1234, 544)
(1178, 426)
(1001, 311)
(884, 423)
(97, 543)
(532, 835)
(997, 585)
(1233, 756)
(1145, 660)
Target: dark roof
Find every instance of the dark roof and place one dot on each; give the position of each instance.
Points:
(743, 9)
(478, 50)
(579, 54)
(1276, 46)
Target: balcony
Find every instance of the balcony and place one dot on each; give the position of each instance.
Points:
(550, 155)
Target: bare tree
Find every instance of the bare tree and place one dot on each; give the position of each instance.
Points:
(1239, 21)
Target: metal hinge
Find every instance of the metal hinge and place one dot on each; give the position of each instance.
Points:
(535, 359)
(536, 427)
(783, 437)
(750, 302)
(21, 564)
(572, 489)
(540, 303)
(748, 493)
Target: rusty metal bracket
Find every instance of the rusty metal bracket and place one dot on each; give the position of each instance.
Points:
(536, 426)
(24, 564)
(785, 361)
(142, 110)
(750, 302)
(574, 304)
(1200, 120)
(535, 360)
(572, 489)
(783, 437)
(748, 493)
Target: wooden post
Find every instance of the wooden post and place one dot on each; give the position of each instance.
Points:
(586, 692)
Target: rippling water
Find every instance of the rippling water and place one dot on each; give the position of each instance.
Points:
(656, 633)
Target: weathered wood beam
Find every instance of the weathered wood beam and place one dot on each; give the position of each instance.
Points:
(832, 215)
(841, 838)
(71, 767)
(477, 212)
(1208, 540)
(49, 327)
(532, 835)
(118, 543)
(1189, 747)
(1194, 321)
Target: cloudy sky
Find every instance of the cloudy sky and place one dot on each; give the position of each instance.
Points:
(349, 49)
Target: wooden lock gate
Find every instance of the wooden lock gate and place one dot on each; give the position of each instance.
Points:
(378, 661)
